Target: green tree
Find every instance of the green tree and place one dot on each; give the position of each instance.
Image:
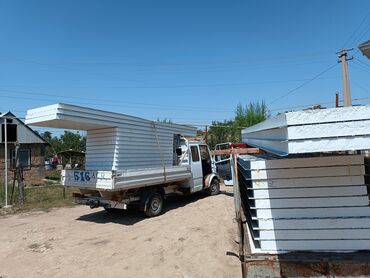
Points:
(221, 132)
(251, 114)
(67, 141)
(230, 130)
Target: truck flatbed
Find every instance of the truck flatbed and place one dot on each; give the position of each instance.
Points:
(124, 180)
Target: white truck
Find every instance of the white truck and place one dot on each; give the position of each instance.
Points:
(146, 188)
(130, 160)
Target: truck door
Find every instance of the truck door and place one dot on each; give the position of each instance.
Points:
(224, 164)
(196, 169)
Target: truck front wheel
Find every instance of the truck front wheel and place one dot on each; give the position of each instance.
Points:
(214, 187)
(153, 205)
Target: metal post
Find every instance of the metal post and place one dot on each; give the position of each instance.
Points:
(19, 175)
(238, 213)
(6, 160)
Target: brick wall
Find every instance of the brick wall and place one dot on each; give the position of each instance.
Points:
(37, 171)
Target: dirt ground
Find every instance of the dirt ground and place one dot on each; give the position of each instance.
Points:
(195, 237)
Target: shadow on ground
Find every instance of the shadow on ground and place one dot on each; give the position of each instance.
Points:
(132, 215)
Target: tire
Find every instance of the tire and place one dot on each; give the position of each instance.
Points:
(153, 205)
(214, 187)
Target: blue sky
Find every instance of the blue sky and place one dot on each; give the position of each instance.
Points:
(189, 61)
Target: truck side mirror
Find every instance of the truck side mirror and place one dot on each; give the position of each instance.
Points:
(179, 151)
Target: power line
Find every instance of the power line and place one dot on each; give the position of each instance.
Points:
(240, 67)
(367, 65)
(361, 87)
(303, 84)
(116, 102)
(354, 32)
(360, 67)
(176, 86)
(313, 104)
(208, 109)
(245, 60)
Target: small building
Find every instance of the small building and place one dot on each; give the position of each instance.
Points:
(31, 149)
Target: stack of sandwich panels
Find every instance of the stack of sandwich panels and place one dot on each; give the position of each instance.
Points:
(312, 131)
(315, 204)
(114, 141)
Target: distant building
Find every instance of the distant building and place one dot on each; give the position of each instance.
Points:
(365, 48)
(31, 151)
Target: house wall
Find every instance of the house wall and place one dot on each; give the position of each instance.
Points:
(37, 171)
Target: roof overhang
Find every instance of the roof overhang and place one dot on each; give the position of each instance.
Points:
(365, 48)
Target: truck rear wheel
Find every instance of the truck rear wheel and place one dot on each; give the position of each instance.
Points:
(214, 187)
(153, 205)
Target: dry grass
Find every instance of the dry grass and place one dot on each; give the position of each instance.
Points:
(38, 197)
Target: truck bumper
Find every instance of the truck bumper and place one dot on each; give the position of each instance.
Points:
(95, 202)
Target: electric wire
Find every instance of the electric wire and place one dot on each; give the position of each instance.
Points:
(303, 84)
(355, 31)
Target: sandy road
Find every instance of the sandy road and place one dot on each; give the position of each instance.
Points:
(191, 239)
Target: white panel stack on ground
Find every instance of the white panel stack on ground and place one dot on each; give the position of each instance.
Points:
(305, 204)
(314, 130)
(309, 192)
(124, 150)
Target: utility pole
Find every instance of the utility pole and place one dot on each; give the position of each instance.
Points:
(343, 56)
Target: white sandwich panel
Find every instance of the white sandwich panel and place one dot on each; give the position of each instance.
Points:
(277, 147)
(100, 156)
(318, 161)
(311, 131)
(114, 141)
(320, 212)
(339, 129)
(323, 202)
(313, 116)
(272, 123)
(315, 245)
(322, 234)
(313, 224)
(307, 182)
(310, 192)
(328, 171)
(328, 115)
(77, 115)
(305, 204)
(351, 143)
(316, 145)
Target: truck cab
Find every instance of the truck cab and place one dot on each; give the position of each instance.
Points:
(197, 156)
(202, 167)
